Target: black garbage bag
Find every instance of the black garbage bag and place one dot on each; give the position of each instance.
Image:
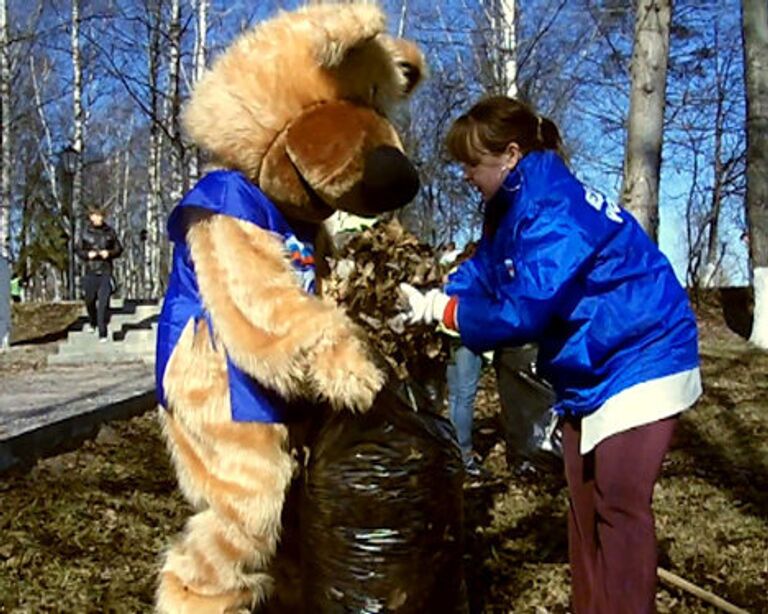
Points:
(382, 511)
(530, 425)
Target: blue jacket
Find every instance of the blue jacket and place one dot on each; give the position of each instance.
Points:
(226, 193)
(572, 271)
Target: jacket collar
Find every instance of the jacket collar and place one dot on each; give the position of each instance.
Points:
(536, 164)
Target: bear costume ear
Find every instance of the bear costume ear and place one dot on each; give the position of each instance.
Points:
(338, 155)
(339, 31)
(410, 62)
(353, 43)
(328, 144)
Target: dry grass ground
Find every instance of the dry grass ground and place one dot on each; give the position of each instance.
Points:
(82, 531)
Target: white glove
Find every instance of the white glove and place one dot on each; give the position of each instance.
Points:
(424, 308)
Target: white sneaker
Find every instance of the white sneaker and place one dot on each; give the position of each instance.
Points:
(91, 328)
(103, 339)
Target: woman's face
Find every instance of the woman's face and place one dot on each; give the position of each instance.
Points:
(490, 171)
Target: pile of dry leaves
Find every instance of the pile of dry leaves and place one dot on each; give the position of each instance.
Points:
(365, 276)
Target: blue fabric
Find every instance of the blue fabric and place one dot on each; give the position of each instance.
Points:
(226, 193)
(463, 375)
(570, 270)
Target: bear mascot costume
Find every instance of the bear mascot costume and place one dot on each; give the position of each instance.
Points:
(294, 118)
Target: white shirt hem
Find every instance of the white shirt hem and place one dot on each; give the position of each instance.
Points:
(641, 404)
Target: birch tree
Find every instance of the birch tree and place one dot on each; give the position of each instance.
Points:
(509, 45)
(5, 137)
(755, 25)
(152, 255)
(173, 104)
(5, 182)
(642, 157)
(178, 175)
(201, 48)
(78, 123)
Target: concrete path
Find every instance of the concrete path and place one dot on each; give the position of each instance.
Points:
(53, 409)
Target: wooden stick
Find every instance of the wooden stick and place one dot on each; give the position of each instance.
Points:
(703, 594)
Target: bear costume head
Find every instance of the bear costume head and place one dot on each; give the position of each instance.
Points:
(294, 113)
(299, 105)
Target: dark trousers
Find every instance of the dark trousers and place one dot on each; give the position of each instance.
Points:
(97, 288)
(525, 402)
(611, 534)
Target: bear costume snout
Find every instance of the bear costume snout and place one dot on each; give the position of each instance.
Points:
(390, 180)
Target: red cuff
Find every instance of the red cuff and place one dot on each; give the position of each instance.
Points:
(449, 313)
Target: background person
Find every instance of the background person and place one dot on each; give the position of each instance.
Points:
(98, 246)
(462, 377)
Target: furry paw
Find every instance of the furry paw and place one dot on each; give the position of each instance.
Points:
(176, 597)
(260, 584)
(343, 374)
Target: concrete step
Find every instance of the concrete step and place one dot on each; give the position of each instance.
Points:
(148, 335)
(115, 304)
(105, 354)
(87, 348)
(142, 312)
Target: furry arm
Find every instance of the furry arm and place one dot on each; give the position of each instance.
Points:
(288, 340)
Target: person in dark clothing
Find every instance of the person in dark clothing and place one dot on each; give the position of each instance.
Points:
(99, 245)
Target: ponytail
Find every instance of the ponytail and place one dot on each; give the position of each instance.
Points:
(549, 136)
(494, 122)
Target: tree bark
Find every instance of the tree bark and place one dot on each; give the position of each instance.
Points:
(152, 253)
(178, 176)
(78, 119)
(5, 137)
(201, 49)
(755, 27)
(509, 24)
(642, 158)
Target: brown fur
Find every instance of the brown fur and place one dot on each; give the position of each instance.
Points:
(245, 100)
(296, 103)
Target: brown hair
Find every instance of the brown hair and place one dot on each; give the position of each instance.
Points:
(495, 122)
(97, 210)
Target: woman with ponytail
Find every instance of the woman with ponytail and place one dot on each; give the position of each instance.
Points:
(562, 266)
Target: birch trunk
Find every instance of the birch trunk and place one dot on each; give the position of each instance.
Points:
(173, 111)
(755, 27)
(130, 266)
(78, 123)
(154, 195)
(201, 48)
(509, 22)
(5, 182)
(642, 158)
(5, 137)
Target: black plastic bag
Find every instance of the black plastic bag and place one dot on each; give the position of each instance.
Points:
(382, 511)
(531, 427)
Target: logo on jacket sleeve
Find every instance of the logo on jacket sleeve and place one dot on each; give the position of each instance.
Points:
(302, 257)
(509, 264)
(596, 200)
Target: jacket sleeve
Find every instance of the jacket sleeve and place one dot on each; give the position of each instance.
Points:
(83, 246)
(288, 340)
(538, 275)
(468, 279)
(117, 246)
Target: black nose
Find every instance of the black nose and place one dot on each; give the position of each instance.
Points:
(389, 181)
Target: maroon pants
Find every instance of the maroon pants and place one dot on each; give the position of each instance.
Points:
(611, 535)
